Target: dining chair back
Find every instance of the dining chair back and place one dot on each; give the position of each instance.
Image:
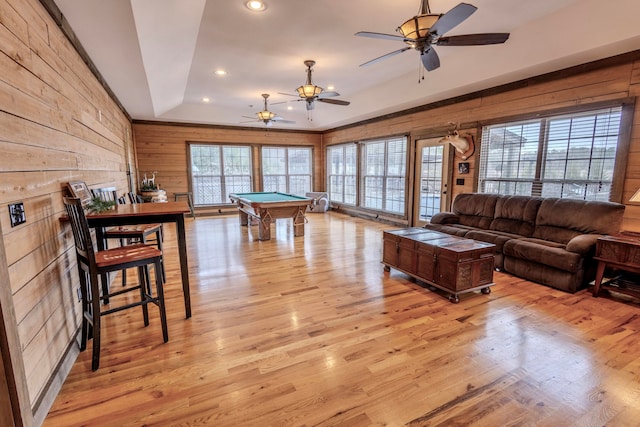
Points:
(93, 264)
(130, 233)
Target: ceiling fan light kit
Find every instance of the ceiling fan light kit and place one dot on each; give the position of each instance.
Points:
(418, 26)
(309, 91)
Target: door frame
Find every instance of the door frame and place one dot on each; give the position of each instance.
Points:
(447, 164)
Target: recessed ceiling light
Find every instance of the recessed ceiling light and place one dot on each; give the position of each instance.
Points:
(205, 99)
(255, 5)
(220, 73)
(330, 87)
(289, 107)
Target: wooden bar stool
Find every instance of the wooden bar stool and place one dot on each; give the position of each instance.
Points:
(92, 264)
(189, 197)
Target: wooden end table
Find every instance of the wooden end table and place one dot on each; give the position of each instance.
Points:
(621, 251)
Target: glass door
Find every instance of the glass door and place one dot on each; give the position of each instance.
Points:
(431, 182)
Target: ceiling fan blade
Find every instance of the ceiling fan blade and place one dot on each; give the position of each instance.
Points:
(286, 121)
(249, 117)
(334, 101)
(381, 36)
(473, 39)
(388, 55)
(430, 59)
(328, 94)
(286, 102)
(287, 94)
(452, 18)
(281, 120)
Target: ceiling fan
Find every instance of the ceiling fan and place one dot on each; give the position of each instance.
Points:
(310, 92)
(426, 29)
(267, 116)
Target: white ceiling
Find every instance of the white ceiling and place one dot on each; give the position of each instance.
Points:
(159, 56)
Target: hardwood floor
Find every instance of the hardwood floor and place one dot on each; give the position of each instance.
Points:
(310, 331)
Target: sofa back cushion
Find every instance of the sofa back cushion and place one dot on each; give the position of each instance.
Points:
(559, 220)
(474, 209)
(516, 215)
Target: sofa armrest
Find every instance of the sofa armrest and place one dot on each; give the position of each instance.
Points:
(584, 244)
(445, 218)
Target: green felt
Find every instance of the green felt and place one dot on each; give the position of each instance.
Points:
(268, 197)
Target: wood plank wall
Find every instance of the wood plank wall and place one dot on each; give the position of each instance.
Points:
(57, 124)
(164, 148)
(619, 80)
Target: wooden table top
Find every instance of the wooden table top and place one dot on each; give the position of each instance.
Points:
(138, 209)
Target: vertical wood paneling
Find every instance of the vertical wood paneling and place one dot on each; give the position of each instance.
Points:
(57, 124)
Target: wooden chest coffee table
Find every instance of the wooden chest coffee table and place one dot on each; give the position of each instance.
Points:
(453, 264)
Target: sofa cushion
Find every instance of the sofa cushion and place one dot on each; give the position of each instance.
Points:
(474, 209)
(560, 220)
(543, 252)
(516, 215)
(498, 238)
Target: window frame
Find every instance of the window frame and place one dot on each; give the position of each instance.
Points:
(343, 175)
(623, 144)
(222, 176)
(288, 175)
(386, 176)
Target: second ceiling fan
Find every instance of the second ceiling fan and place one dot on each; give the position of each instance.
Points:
(427, 29)
(266, 116)
(310, 93)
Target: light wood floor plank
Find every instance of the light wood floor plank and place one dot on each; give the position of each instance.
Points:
(310, 331)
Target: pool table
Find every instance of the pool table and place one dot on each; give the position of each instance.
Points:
(266, 207)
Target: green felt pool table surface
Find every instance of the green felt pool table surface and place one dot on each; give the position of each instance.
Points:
(268, 197)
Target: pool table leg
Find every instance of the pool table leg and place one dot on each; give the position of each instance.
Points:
(244, 218)
(264, 227)
(298, 223)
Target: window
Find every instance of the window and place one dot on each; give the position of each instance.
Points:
(286, 169)
(341, 173)
(383, 174)
(568, 156)
(217, 170)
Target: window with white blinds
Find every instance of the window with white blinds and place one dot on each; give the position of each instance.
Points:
(384, 174)
(217, 171)
(287, 169)
(341, 173)
(567, 156)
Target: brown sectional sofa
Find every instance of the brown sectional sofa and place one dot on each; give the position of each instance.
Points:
(546, 240)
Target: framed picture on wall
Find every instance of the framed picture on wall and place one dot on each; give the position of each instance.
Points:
(80, 190)
(463, 168)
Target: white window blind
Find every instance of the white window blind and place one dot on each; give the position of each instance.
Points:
(287, 169)
(384, 174)
(567, 156)
(341, 173)
(217, 171)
